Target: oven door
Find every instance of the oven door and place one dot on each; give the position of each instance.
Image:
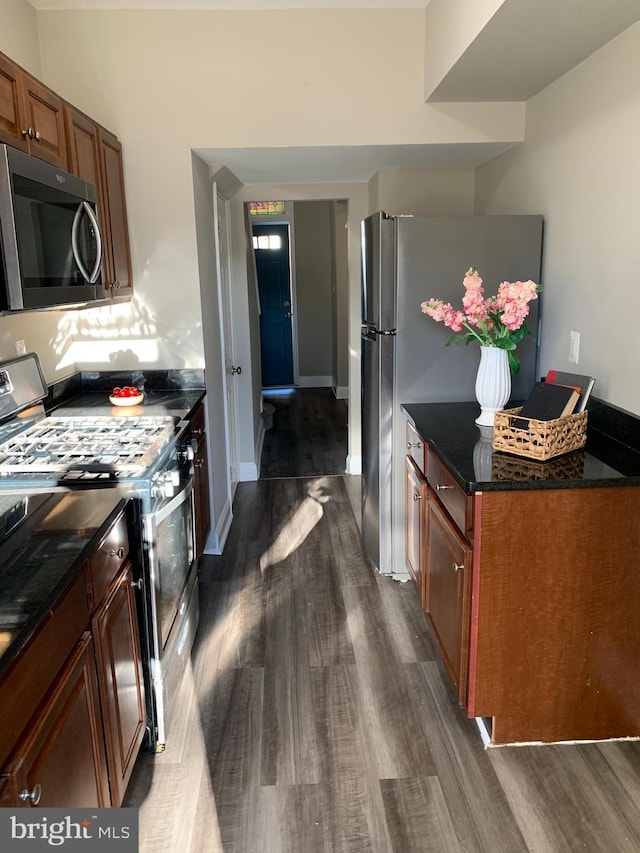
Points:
(173, 588)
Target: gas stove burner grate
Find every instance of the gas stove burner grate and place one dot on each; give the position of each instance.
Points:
(89, 447)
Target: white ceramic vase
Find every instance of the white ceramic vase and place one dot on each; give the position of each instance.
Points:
(493, 383)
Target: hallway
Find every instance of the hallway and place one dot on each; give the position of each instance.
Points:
(316, 717)
(309, 434)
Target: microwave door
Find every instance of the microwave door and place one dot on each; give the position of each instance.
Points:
(79, 238)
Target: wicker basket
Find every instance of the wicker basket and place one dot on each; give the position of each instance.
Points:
(539, 440)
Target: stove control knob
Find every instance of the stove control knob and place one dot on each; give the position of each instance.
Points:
(189, 451)
(164, 487)
(175, 478)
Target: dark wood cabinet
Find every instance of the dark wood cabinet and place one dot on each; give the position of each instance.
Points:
(31, 115)
(447, 595)
(115, 632)
(415, 523)
(117, 259)
(61, 760)
(74, 699)
(36, 120)
(531, 591)
(96, 156)
(201, 484)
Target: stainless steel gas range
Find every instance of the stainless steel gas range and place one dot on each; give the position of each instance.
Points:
(152, 458)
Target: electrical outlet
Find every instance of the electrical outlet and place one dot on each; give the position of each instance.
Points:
(574, 347)
(21, 348)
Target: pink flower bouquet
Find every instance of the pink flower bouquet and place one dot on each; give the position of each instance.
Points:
(498, 321)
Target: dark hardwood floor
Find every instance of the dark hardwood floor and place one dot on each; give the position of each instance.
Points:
(308, 437)
(315, 716)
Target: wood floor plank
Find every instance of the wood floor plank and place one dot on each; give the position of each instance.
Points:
(567, 796)
(347, 766)
(479, 809)
(417, 816)
(289, 749)
(383, 688)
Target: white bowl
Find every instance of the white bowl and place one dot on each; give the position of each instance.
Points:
(126, 401)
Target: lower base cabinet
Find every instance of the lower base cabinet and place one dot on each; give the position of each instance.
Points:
(61, 761)
(74, 701)
(115, 632)
(446, 599)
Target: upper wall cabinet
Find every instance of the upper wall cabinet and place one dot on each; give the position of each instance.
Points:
(31, 115)
(118, 259)
(36, 120)
(96, 156)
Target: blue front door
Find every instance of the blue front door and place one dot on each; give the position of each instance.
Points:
(271, 244)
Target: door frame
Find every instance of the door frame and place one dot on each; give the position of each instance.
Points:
(227, 340)
(283, 220)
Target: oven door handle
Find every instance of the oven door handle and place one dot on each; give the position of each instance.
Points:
(165, 510)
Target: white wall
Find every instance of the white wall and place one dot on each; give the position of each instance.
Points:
(19, 35)
(424, 192)
(314, 263)
(580, 168)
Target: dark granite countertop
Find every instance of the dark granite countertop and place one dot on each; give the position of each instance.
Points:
(177, 403)
(41, 553)
(451, 432)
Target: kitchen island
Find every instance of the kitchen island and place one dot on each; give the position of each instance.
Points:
(528, 573)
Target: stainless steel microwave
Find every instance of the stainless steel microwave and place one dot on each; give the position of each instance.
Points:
(49, 236)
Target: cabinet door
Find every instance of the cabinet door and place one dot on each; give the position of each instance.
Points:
(61, 761)
(83, 147)
(44, 113)
(117, 266)
(448, 592)
(415, 522)
(201, 484)
(11, 125)
(115, 631)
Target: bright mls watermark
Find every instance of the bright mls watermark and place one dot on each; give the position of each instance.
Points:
(80, 830)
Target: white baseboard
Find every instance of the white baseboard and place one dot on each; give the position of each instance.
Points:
(341, 392)
(250, 471)
(354, 464)
(218, 537)
(247, 472)
(315, 381)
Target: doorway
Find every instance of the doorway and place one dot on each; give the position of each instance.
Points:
(273, 271)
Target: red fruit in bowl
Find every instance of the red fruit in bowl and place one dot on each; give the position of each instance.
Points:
(117, 392)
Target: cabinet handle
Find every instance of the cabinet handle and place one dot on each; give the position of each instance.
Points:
(119, 553)
(139, 584)
(416, 496)
(197, 432)
(412, 444)
(440, 487)
(457, 566)
(28, 132)
(198, 463)
(37, 136)
(33, 796)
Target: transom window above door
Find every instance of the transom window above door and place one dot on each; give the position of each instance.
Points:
(267, 241)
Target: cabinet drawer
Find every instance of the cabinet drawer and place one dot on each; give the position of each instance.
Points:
(452, 496)
(416, 448)
(105, 563)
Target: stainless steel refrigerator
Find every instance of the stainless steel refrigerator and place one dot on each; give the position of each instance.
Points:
(406, 260)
